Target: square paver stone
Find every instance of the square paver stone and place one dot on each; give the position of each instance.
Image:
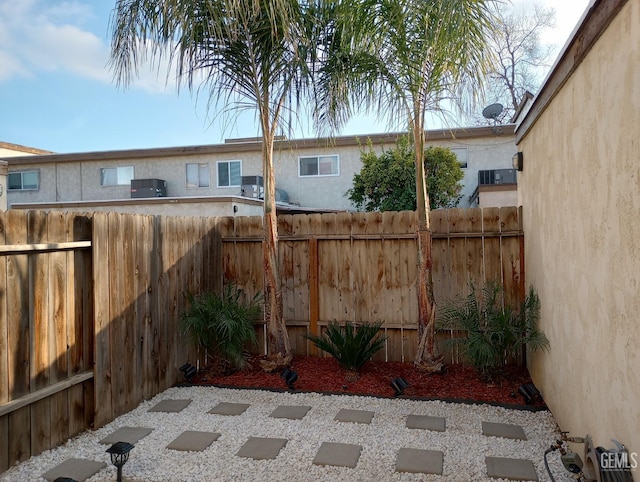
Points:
(78, 469)
(193, 441)
(341, 455)
(425, 422)
(293, 412)
(513, 469)
(127, 434)
(262, 448)
(420, 461)
(227, 408)
(170, 406)
(354, 416)
(505, 430)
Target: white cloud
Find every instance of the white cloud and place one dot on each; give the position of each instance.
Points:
(43, 36)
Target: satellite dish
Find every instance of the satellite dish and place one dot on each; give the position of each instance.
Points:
(492, 111)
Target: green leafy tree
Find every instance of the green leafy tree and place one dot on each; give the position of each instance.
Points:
(387, 182)
(245, 54)
(402, 59)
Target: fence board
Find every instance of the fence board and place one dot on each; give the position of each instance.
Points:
(58, 299)
(491, 260)
(512, 260)
(4, 443)
(101, 247)
(20, 438)
(4, 342)
(39, 314)
(18, 309)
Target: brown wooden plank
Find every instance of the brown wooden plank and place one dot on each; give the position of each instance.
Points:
(41, 425)
(19, 330)
(162, 301)
(302, 264)
(152, 266)
(4, 443)
(39, 303)
(392, 307)
(375, 286)
(297, 340)
(81, 353)
(20, 435)
(344, 293)
(328, 271)
(58, 299)
(176, 278)
(458, 223)
(360, 263)
(129, 321)
(492, 264)
(474, 248)
(440, 252)
(409, 343)
(511, 257)
(394, 345)
(314, 293)
(59, 406)
(4, 340)
(102, 343)
(76, 410)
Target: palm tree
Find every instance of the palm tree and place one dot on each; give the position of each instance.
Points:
(245, 54)
(402, 59)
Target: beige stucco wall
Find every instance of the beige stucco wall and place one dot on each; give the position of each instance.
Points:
(580, 191)
(80, 179)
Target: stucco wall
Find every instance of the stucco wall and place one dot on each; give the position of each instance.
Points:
(80, 179)
(580, 192)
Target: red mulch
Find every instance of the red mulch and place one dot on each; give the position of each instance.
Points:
(325, 375)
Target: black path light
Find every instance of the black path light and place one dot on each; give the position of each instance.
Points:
(64, 479)
(119, 452)
(188, 370)
(289, 376)
(399, 384)
(530, 393)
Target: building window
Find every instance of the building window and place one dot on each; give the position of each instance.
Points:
(462, 155)
(229, 173)
(24, 180)
(116, 176)
(197, 175)
(318, 166)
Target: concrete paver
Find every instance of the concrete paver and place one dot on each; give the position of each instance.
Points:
(426, 422)
(226, 408)
(420, 461)
(512, 469)
(354, 416)
(338, 454)
(505, 430)
(262, 448)
(170, 406)
(77, 469)
(193, 441)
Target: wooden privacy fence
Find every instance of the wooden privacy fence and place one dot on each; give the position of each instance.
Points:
(90, 304)
(89, 313)
(363, 266)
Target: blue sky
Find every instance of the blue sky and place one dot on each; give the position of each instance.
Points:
(57, 93)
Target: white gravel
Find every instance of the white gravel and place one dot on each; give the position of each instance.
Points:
(462, 442)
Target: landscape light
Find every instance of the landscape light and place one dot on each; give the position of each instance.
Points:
(119, 452)
(399, 385)
(289, 376)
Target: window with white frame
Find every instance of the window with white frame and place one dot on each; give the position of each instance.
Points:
(310, 166)
(116, 176)
(24, 180)
(229, 173)
(462, 155)
(198, 175)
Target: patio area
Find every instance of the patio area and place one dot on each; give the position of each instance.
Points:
(207, 433)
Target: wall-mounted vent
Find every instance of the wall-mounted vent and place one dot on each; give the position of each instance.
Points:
(145, 188)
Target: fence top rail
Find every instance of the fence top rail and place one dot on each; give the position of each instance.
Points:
(383, 236)
(10, 249)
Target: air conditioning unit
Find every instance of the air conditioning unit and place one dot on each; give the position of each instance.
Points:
(252, 186)
(146, 188)
(497, 176)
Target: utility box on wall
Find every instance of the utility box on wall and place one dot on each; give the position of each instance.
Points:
(145, 188)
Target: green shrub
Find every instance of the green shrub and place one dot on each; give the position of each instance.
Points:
(223, 325)
(351, 346)
(493, 333)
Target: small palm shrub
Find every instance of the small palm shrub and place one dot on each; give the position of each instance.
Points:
(223, 325)
(493, 333)
(351, 346)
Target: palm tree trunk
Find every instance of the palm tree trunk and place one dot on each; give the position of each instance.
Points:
(427, 358)
(278, 344)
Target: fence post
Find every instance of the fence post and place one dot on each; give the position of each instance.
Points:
(3, 185)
